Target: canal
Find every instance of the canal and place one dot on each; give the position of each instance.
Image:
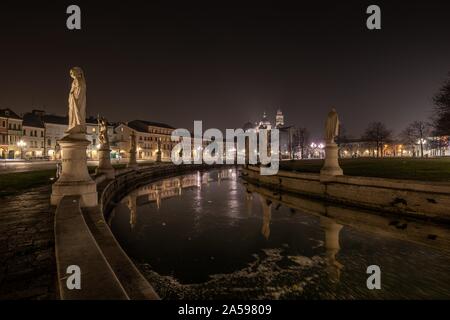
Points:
(211, 235)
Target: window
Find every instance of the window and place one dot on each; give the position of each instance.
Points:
(42, 134)
(3, 124)
(94, 142)
(24, 132)
(49, 142)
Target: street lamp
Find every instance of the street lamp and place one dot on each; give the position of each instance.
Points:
(21, 144)
(421, 141)
(313, 147)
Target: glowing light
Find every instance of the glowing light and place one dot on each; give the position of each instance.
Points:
(21, 144)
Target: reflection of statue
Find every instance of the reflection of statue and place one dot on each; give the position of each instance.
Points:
(132, 206)
(77, 102)
(103, 131)
(249, 201)
(332, 230)
(267, 216)
(332, 126)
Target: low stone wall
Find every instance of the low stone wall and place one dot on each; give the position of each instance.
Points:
(424, 200)
(75, 246)
(83, 238)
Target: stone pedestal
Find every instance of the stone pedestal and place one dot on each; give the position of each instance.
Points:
(331, 166)
(132, 163)
(104, 162)
(75, 178)
(158, 156)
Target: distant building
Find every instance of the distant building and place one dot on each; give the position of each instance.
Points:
(147, 136)
(33, 136)
(286, 147)
(10, 134)
(264, 123)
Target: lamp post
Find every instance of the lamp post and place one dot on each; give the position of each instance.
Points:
(21, 144)
(321, 146)
(421, 142)
(313, 147)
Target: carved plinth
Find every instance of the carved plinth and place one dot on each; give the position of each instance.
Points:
(74, 178)
(132, 163)
(104, 162)
(331, 165)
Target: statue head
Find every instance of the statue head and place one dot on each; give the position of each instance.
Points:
(76, 73)
(333, 109)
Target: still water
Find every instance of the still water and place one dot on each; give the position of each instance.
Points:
(210, 235)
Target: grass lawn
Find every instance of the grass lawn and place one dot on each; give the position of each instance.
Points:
(435, 169)
(16, 182)
(12, 183)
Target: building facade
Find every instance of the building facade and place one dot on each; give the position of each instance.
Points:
(11, 134)
(149, 135)
(33, 136)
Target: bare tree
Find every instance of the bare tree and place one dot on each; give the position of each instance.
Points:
(378, 134)
(416, 134)
(342, 138)
(441, 118)
(407, 137)
(301, 140)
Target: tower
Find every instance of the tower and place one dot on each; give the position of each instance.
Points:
(279, 119)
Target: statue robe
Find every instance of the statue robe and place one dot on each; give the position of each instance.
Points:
(77, 106)
(332, 126)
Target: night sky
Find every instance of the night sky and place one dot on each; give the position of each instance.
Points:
(226, 62)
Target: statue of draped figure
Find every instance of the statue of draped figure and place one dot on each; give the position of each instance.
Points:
(77, 102)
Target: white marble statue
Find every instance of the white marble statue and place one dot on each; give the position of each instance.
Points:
(331, 126)
(77, 102)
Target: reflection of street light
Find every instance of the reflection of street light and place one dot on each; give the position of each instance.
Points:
(321, 146)
(21, 144)
(313, 145)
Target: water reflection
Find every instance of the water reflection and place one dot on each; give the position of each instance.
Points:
(332, 230)
(209, 235)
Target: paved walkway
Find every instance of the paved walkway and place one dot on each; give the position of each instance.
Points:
(27, 259)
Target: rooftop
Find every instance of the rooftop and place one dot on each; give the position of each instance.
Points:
(8, 113)
(32, 120)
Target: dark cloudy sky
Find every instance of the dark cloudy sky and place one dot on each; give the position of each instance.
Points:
(225, 62)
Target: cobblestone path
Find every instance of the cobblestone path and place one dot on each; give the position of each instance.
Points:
(27, 254)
